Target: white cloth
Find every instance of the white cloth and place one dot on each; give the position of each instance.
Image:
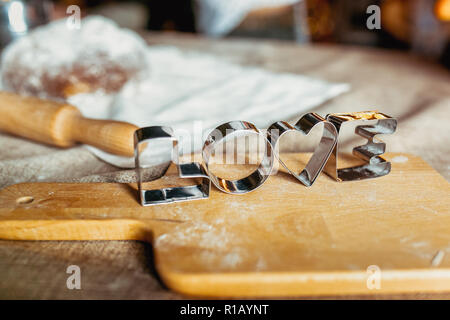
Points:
(194, 92)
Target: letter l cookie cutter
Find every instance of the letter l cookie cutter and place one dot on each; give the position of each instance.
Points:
(185, 170)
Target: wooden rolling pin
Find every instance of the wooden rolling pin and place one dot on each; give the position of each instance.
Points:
(62, 125)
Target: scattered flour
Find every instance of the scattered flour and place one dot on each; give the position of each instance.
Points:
(399, 159)
(372, 196)
(202, 235)
(232, 259)
(419, 244)
(215, 243)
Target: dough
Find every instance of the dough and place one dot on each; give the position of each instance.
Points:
(54, 61)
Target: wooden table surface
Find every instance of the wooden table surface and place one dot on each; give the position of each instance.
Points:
(415, 91)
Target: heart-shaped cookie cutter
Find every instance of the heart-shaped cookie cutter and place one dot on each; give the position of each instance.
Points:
(322, 152)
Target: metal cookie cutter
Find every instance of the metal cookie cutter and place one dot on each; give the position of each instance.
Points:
(187, 170)
(257, 177)
(321, 154)
(370, 152)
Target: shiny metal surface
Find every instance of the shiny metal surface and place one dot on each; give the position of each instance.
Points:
(257, 177)
(375, 166)
(187, 170)
(18, 17)
(323, 158)
(321, 154)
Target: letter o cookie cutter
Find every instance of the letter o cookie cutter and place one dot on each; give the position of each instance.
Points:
(250, 182)
(320, 156)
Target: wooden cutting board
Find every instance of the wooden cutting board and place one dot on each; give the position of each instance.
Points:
(386, 235)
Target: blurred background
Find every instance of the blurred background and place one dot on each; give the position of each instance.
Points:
(420, 26)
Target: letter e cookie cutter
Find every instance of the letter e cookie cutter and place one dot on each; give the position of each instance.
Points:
(375, 166)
